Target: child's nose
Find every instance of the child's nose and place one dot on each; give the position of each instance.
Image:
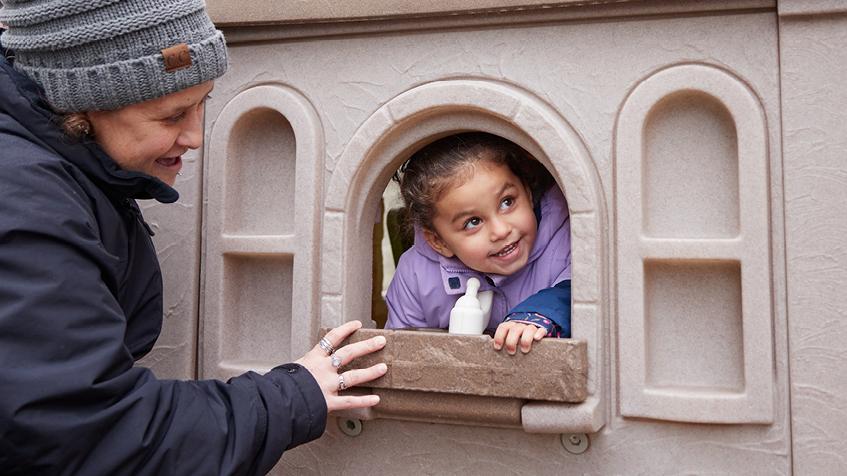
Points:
(499, 229)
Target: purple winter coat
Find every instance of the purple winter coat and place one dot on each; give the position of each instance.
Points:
(426, 285)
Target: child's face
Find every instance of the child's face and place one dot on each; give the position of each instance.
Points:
(487, 222)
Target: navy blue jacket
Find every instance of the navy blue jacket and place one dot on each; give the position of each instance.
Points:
(81, 301)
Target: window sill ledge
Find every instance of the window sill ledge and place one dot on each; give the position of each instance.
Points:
(444, 378)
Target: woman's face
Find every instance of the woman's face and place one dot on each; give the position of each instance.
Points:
(150, 137)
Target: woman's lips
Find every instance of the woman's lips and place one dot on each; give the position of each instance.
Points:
(170, 162)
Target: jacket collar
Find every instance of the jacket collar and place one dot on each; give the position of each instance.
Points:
(22, 100)
(551, 213)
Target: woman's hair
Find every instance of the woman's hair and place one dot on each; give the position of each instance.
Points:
(76, 125)
(448, 162)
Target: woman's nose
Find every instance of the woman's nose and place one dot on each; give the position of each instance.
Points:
(191, 135)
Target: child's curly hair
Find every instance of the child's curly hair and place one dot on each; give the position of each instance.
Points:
(448, 162)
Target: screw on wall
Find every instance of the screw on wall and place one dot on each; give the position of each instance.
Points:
(575, 443)
(350, 426)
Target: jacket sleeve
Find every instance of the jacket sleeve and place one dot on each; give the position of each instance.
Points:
(71, 401)
(404, 309)
(554, 304)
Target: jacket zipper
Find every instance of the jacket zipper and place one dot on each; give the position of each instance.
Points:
(136, 212)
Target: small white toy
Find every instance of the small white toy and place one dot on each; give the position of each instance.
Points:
(472, 311)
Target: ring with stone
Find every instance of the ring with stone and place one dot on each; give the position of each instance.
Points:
(341, 384)
(336, 360)
(326, 346)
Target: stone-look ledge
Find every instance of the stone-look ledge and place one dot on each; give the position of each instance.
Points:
(454, 409)
(555, 370)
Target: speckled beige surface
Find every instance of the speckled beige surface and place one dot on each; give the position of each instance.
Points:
(813, 53)
(698, 248)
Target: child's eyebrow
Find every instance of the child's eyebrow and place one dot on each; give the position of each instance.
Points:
(461, 214)
(506, 186)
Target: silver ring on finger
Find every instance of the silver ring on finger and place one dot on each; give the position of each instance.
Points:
(341, 384)
(326, 346)
(336, 360)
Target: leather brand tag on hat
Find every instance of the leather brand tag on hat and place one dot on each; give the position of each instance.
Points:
(177, 57)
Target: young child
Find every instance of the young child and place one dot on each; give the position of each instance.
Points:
(483, 207)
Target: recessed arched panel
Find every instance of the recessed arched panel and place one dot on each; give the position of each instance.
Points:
(265, 157)
(690, 168)
(441, 108)
(694, 330)
(260, 171)
(693, 324)
(255, 284)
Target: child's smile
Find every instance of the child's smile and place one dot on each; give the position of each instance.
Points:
(487, 221)
(508, 252)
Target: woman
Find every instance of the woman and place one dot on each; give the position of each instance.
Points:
(99, 99)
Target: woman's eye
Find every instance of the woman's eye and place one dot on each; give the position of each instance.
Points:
(472, 223)
(507, 203)
(177, 118)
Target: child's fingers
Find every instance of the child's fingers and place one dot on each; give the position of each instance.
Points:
(512, 339)
(500, 335)
(527, 337)
(540, 333)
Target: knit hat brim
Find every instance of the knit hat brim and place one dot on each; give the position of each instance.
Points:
(131, 80)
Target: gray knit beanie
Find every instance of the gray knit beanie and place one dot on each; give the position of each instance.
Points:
(91, 55)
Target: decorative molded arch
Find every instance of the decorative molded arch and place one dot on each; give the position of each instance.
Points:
(293, 133)
(733, 265)
(433, 110)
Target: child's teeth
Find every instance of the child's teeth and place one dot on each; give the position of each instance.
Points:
(506, 251)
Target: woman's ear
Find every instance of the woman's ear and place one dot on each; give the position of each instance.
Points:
(436, 243)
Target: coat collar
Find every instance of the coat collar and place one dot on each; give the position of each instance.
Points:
(23, 101)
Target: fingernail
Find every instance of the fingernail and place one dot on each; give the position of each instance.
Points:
(380, 340)
(383, 368)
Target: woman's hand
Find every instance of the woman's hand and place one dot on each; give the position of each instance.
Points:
(513, 332)
(320, 365)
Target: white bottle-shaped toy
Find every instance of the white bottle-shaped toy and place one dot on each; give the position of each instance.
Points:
(471, 313)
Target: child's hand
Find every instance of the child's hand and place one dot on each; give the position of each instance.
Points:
(513, 332)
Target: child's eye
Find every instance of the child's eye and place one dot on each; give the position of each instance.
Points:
(507, 202)
(472, 223)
